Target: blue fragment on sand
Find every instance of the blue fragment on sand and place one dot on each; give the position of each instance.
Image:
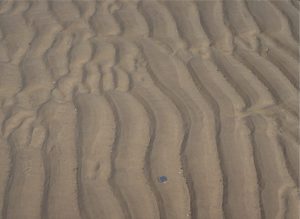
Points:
(162, 179)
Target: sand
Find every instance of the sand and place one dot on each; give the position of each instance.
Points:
(149, 109)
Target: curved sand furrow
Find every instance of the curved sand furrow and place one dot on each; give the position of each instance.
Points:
(283, 61)
(283, 122)
(189, 113)
(28, 174)
(248, 86)
(13, 25)
(113, 155)
(275, 181)
(212, 112)
(56, 56)
(37, 81)
(285, 158)
(168, 124)
(165, 158)
(131, 21)
(188, 25)
(292, 15)
(200, 149)
(192, 149)
(226, 143)
(240, 23)
(161, 25)
(214, 32)
(252, 92)
(9, 157)
(27, 163)
(95, 146)
(212, 20)
(277, 83)
(129, 161)
(272, 24)
(138, 93)
(62, 160)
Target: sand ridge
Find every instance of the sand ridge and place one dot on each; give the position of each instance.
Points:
(101, 98)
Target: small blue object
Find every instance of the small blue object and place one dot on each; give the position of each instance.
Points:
(162, 179)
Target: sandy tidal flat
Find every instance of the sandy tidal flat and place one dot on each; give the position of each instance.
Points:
(149, 109)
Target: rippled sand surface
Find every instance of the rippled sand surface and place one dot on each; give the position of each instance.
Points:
(149, 109)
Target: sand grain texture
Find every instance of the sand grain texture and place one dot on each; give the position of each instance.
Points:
(100, 98)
